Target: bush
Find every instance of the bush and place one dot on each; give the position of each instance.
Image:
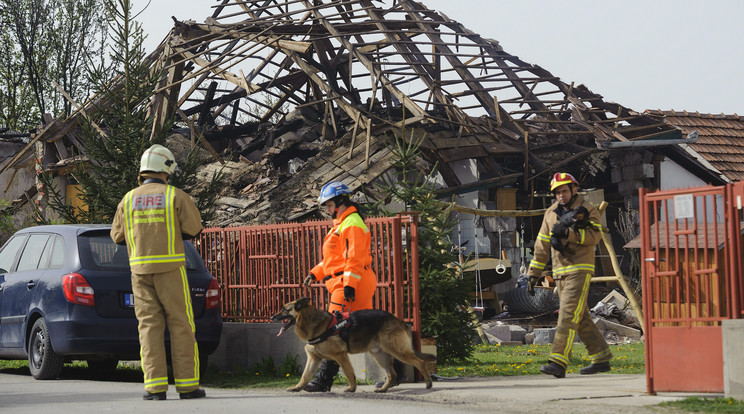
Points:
(444, 292)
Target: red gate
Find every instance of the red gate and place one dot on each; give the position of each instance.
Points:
(260, 268)
(691, 252)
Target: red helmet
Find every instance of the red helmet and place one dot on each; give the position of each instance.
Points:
(560, 179)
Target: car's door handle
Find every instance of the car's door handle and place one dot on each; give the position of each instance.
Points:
(30, 285)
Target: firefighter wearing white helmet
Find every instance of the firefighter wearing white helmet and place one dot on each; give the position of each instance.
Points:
(152, 220)
(571, 229)
(157, 158)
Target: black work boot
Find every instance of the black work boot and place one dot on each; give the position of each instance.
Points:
(324, 377)
(197, 393)
(553, 368)
(400, 374)
(154, 396)
(595, 368)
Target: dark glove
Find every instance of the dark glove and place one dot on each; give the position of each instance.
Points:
(560, 229)
(349, 294)
(534, 280)
(308, 280)
(556, 244)
(581, 217)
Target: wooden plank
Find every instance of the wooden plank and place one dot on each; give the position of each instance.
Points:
(353, 135)
(463, 153)
(441, 143)
(369, 136)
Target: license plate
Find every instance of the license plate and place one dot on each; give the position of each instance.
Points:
(129, 300)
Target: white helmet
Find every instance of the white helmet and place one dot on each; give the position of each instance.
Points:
(158, 159)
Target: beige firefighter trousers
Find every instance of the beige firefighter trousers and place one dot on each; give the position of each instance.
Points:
(164, 299)
(574, 318)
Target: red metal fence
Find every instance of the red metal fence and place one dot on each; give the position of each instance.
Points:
(260, 268)
(691, 249)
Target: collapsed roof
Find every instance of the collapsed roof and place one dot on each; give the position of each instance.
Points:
(305, 91)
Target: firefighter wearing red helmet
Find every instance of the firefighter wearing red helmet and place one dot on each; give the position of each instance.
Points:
(346, 268)
(152, 220)
(569, 232)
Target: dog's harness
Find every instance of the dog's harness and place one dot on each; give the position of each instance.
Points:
(340, 323)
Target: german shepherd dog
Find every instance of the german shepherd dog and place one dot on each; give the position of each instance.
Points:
(378, 332)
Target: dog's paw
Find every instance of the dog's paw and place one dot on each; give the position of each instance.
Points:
(350, 389)
(294, 389)
(381, 389)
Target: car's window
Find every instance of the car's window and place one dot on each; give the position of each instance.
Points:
(32, 252)
(192, 257)
(57, 255)
(54, 254)
(10, 252)
(98, 251)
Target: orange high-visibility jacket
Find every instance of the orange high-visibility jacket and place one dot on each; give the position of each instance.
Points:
(346, 255)
(152, 219)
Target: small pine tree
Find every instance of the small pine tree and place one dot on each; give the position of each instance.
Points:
(443, 289)
(117, 127)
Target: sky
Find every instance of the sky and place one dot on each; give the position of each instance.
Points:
(659, 54)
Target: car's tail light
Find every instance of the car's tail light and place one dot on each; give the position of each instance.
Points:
(77, 289)
(213, 294)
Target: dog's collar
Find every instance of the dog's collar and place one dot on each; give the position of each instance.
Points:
(339, 322)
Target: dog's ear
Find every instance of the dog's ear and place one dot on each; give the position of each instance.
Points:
(301, 303)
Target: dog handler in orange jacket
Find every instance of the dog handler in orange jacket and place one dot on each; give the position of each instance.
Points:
(153, 219)
(346, 266)
(573, 267)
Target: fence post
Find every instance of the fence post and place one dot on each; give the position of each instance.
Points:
(397, 267)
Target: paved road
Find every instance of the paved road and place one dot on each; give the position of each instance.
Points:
(527, 394)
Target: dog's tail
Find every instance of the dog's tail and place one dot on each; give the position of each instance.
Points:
(427, 357)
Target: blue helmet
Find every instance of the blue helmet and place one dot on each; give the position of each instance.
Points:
(331, 190)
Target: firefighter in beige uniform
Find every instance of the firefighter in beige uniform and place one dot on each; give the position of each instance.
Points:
(573, 266)
(152, 220)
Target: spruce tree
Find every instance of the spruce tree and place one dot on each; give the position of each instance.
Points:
(118, 126)
(444, 291)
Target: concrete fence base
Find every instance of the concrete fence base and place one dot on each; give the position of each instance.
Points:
(243, 346)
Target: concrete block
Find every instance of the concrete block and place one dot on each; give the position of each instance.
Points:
(648, 171)
(517, 333)
(500, 331)
(732, 331)
(491, 339)
(244, 345)
(607, 326)
(544, 336)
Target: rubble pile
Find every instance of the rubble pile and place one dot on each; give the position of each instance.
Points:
(613, 315)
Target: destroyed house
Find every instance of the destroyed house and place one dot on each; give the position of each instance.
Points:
(303, 92)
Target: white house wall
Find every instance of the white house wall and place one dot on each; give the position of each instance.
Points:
(469, 230)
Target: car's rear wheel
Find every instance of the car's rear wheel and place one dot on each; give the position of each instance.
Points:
(43, 362)
(103, 366)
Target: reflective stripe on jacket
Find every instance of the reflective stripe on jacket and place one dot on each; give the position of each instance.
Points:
(152, 219)
(346, 252)
(578, 253)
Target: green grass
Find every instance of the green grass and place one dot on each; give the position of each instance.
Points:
(496, 360)
(706, 405)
